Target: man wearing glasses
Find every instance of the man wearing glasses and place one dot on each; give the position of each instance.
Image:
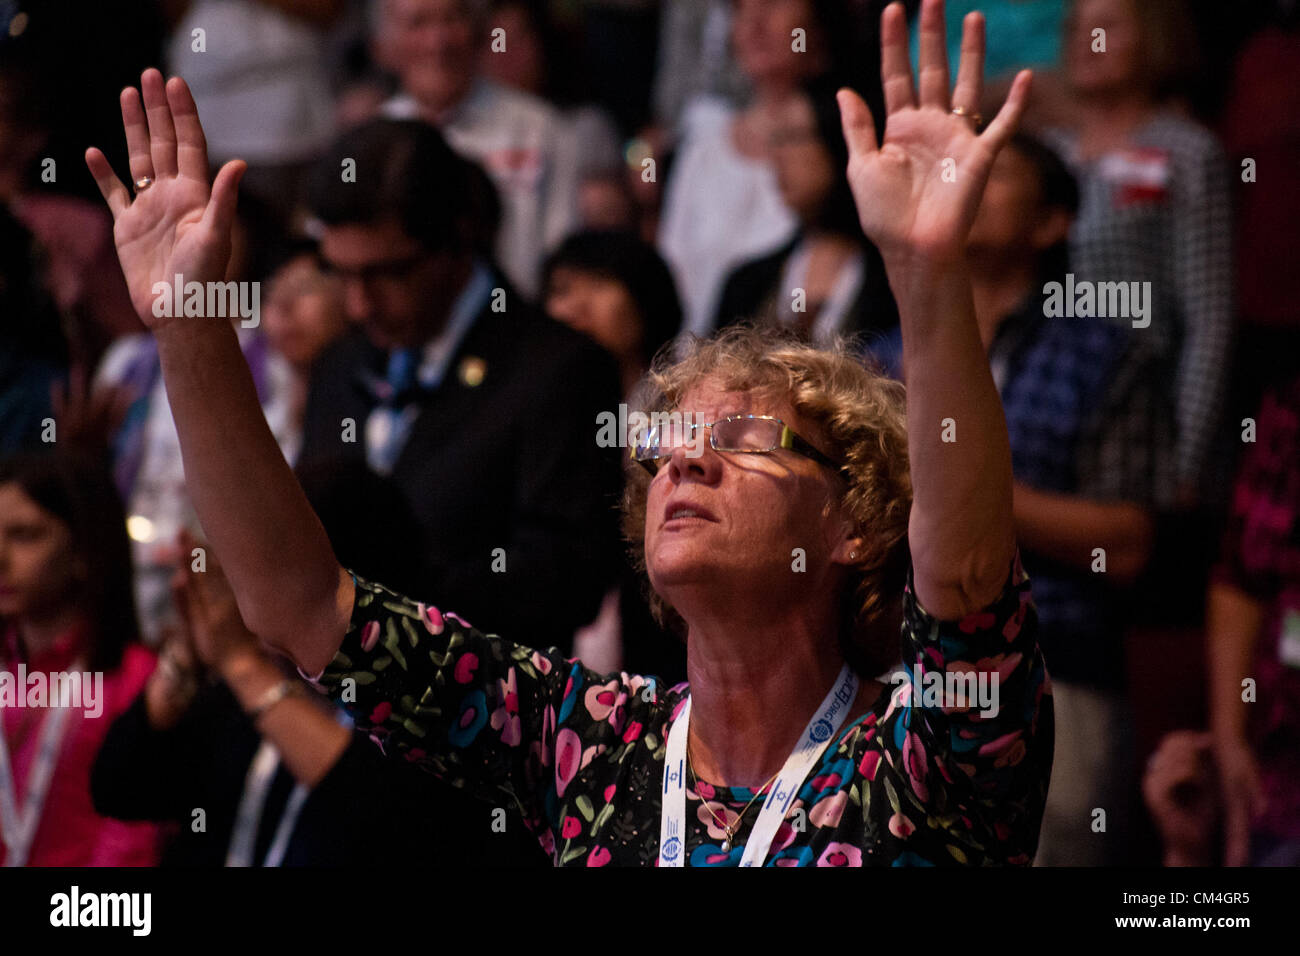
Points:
(479, 409)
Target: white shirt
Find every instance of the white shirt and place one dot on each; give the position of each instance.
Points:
(721, 208)
(260, 81)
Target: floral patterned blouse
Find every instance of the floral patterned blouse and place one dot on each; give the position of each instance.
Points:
(581, 755)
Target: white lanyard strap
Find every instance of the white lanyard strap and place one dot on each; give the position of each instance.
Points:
(18, 824)
(257, 786)
(288, 820)
(816, 736)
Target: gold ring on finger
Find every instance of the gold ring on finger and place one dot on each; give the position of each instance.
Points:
(971, 115)
(144, 182)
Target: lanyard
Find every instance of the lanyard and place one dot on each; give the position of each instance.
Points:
(816, 736)
(18, 825)
(257, 785)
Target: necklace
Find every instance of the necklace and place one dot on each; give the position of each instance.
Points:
(734, 828)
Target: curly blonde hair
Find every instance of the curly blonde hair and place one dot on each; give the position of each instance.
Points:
(860, 418)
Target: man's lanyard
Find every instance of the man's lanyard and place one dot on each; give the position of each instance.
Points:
(18, 825)
(257, 786)
(816, 736)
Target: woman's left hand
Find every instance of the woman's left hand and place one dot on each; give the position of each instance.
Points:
(917, 192)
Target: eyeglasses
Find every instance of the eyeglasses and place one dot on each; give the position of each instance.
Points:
(653, 445)
(390, 270)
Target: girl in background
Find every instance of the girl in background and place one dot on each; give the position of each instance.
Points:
(65, 606)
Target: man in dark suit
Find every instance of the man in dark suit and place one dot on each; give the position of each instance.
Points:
(482, 411)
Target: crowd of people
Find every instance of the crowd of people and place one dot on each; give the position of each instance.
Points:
(478, 228)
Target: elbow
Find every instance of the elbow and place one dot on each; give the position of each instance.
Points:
(307, 628)
(975, 587)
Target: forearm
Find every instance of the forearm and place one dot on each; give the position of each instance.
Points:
(309, 741)
(1232, 620)
(961, 530)
(271, 545)
(1068, 528)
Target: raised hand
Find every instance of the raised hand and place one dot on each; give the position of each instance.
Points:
(208, 610)
(176, 224)
(911, 200)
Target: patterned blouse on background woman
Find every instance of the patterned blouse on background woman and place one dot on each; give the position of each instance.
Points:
(582, 755)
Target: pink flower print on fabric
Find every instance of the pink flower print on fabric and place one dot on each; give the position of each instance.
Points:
(827, 812)
(601, 699)
(840, 854)
(506, 717)
(465, 667)
(914, 762)
(431, 617)
(369, 636)
(568, 759)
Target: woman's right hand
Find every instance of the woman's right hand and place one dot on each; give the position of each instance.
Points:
(177, 225)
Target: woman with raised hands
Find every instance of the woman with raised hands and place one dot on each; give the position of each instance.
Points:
(790, 507)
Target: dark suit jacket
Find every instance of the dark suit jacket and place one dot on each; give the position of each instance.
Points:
(510, 463)
(752, 285)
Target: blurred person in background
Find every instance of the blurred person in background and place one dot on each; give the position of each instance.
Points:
(722, 204)
(614, 288)
(65, 607)
(260, 69)
(1155, 208)
(225, 725)
(481, 409)
(1252, 630)
(534, 60)
(437, 49)
(302, 315)
(829, 279)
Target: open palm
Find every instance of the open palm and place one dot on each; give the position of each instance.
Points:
(918, 191)
(177, 225)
